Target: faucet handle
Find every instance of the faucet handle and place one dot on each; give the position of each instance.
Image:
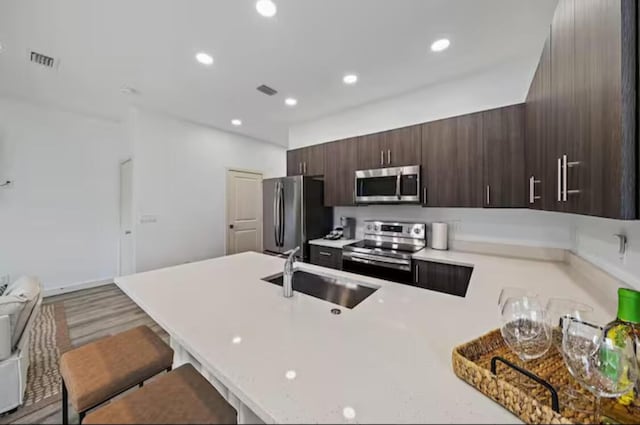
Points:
(292, 251)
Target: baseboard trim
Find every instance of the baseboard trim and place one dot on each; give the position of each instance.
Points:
(49, 292)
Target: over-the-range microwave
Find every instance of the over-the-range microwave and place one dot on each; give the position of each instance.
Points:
(388, 185)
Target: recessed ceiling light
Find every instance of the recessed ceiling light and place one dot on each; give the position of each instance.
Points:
(236, 122)
(266, 8)
(290, 101)
(291, 375)
(236, 340)
(1, 47)
(349, 413)
(204, 58)
(440, 45)
(350, 79)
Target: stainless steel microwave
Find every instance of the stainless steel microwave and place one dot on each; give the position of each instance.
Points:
(388, 185)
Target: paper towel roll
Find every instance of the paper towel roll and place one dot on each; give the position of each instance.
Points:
(439, 236)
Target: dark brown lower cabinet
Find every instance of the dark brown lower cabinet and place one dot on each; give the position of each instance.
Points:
(326, 257)
(448, 278)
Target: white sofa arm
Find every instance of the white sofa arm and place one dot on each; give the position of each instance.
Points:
(5, 338)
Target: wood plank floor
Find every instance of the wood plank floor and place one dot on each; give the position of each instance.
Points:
(92, 314)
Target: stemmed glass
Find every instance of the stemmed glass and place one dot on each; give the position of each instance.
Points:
(556, 311)
(523, 327)
(603, 366)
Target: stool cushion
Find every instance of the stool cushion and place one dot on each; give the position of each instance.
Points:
(182, 396)
(100, 370)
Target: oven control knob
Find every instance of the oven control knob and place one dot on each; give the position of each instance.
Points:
(416, 231)
(368, 227)
(377, 228)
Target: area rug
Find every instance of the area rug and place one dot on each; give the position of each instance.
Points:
(49, 339)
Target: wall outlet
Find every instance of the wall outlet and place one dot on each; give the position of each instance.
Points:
(148, 218)
(5, 279)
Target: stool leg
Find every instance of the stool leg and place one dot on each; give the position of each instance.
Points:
(81, 416)
(65, 404)
(141, 384)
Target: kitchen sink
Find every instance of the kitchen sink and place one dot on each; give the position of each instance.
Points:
(344, 292)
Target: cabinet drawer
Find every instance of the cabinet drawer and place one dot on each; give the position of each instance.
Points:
(447, 278)
(326, 257)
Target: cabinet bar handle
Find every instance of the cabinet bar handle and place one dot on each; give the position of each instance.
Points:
(381, 157)
(564, 178)
(326, 254)
(568, 165)
(424, 195)
(532, 190)
(416, 272)
(299, 167)
(389, 156)
(559, 179)
(304, 167)
(488, 195)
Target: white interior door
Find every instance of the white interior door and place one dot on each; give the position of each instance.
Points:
(244, 212)
(126, 219)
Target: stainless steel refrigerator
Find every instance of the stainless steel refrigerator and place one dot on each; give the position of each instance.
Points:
(294, 213)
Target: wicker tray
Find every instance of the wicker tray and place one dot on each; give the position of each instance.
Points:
(472, 363)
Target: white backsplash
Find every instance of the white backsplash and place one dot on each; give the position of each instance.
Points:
(518, 227)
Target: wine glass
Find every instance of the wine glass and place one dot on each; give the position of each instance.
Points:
(524, 329)
(513, 292)
(604, 366)
(556, 311)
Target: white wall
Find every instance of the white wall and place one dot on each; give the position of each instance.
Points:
(179, 177)
(595, 241)
(59, 220)
(518, 227)
(497, 87)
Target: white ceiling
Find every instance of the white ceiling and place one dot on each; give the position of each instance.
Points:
(303, 52)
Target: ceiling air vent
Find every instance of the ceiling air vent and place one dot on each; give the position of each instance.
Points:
(41, 59)
(267, 90)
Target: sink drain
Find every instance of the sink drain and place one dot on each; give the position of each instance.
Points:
(336, 311)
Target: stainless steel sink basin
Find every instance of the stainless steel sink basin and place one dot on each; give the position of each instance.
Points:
(343, 292)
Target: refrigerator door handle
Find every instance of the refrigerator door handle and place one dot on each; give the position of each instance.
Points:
(276, 220)
(281, 215)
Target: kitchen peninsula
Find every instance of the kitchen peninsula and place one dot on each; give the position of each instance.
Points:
(388, 360)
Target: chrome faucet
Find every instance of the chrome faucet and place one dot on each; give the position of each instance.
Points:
(287, 277)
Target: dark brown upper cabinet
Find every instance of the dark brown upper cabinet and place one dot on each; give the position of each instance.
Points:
(306, 161)
(583, 103)
(341, 163)
(452, 171)
(393, 148)
(371, 152)
(540, 169)
(294, 162)
(504, 164)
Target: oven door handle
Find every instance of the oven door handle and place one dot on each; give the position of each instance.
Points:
(386, 265)
(376, 258)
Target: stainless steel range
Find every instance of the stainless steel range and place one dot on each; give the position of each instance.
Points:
(386, 250)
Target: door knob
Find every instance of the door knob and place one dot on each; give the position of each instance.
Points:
(127, 232)
(231, 226)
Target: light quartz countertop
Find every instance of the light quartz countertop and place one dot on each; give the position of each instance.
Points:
(332, 244)
(388, 359)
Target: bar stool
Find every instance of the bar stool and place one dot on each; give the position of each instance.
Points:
(182, 396)
(99, 371)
